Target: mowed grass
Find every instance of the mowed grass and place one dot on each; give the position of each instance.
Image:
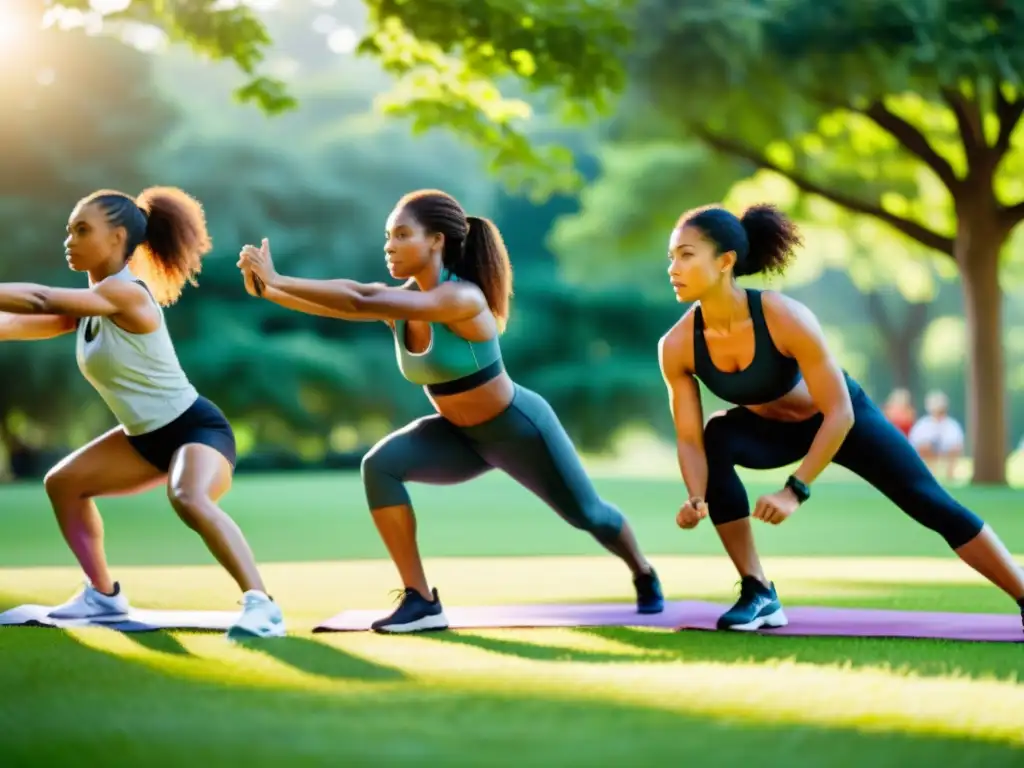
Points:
(561, 697)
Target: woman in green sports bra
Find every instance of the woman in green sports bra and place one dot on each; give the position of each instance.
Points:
(446, 320)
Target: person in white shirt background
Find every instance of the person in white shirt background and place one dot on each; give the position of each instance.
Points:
(937, 436)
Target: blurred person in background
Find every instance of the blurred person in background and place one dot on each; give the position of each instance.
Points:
(937, 436)
(899, 410)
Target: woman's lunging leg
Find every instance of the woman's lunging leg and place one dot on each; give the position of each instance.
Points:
(108, 466)
(429, 450)
(529, 443)
(199, 477)
(880, 454)
(740, 438)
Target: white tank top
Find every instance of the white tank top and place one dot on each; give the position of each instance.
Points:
(137, 374)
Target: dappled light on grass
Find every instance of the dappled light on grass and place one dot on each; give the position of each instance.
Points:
(540, 693)
(295, 663)
(569, 665)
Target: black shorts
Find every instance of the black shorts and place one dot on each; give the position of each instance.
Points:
(202, 423)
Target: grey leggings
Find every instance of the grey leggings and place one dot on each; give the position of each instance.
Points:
(526, 441)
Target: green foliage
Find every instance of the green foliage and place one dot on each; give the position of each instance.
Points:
(592, 353)
(319, 182)
(621, 230)
(117, 125)
(451, 57)
(216, 30)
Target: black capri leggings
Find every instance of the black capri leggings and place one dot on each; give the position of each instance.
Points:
(526, 441)
(874, 449)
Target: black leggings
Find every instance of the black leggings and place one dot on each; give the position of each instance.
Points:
(526, 441)
(874, 449)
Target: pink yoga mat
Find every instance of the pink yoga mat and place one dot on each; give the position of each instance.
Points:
(806, 621)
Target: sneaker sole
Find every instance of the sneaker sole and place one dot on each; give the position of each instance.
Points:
(239, 633)
(771, 621)
(433, 623)
(649, 609)
(106, 618)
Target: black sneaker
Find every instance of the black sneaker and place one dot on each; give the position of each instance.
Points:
(649, 598)
(414, 614)
(757, 607)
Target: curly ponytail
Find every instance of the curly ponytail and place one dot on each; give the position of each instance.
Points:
(167, 236)
(772, 239)
(764, 239)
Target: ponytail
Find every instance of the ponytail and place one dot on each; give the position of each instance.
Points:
(764, 239)
(167, 236)
(772, 239)
(473, 248)
(484, 260)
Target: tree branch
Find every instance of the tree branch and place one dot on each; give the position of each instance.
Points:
(968, 119)
(1009, 114)
(912, 229)
(1013, 214)
(915, 141)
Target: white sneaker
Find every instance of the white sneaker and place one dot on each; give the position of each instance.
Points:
(93, 605)
(261, 617)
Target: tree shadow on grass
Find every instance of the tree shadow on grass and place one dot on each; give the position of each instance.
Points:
(927, 657)
(536, 651)
(161, 641)
(924, 657)
(319, 658)
(304, 654)
(69, 703)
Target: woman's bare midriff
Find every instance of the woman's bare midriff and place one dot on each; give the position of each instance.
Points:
(477, 405)
(483, 403)
(796, 405)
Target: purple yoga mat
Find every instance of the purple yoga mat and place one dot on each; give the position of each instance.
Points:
(806, 621)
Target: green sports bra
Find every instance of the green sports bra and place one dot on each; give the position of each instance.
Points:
(450, 364)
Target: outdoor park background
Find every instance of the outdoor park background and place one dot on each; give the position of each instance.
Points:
(888, 129)
(87, 111)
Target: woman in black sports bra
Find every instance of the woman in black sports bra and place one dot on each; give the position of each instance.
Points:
(766, 353)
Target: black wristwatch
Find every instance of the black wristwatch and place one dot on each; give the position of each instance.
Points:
(800, 489)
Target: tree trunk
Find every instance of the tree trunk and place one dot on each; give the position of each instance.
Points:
(978, 244)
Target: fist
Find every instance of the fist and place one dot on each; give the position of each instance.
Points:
(691, 513)
(776, 507)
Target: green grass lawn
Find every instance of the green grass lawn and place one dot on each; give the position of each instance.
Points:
(560, 697)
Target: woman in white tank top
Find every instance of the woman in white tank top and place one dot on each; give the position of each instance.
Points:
(138, 253)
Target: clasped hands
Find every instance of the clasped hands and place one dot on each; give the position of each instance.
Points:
(257, 267)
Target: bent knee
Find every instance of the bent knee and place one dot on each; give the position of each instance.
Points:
(717, 434)
(61, 482)
(371, 464)
(959, 527)
(189, 503)
(384, 486)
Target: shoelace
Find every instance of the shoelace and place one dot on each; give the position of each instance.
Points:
(248, 602)
(399, 595)
(747, 589)
(645, 582)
